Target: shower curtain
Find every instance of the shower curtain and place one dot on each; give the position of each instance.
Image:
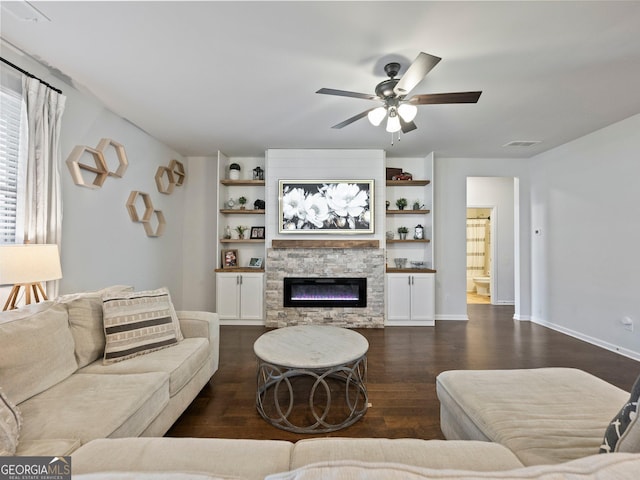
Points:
(476, 249)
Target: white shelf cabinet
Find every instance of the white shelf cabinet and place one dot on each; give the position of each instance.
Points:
(239, 296)
(410, 299)
(240, 290)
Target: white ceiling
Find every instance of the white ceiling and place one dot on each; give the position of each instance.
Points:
(241, 76)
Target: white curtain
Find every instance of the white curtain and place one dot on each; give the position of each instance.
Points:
(476, 247)
(43, 205)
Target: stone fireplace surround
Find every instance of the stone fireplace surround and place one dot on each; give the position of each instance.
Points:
(345, 261)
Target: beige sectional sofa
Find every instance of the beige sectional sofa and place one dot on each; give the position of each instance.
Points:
(51, 367)
(546, 424)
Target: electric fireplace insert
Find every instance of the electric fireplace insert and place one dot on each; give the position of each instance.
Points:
(325, 292)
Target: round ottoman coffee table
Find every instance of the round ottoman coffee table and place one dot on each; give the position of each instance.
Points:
(324, 365)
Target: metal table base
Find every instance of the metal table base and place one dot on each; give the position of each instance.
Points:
(275, 381)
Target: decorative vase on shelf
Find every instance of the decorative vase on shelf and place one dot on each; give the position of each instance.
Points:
(234, 171)
(227, 232)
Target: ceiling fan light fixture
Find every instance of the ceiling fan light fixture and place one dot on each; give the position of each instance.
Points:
(407, 112)
(393, 122)
(377, 115)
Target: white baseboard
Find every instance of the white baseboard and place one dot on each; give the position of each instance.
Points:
(243, 322)
(410, 323)
(521, 318)
(586, 338)
(452, 317)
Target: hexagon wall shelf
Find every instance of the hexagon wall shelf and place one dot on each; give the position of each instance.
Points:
(167, 186)
(149, 216)
(160, 223)
(76, 168)
(133, 209)
(178, 171)
(107, 145)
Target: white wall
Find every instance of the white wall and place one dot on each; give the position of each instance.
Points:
(200, 236)
(497, 192)
(450, 184)
(586, 260)
(100, 244)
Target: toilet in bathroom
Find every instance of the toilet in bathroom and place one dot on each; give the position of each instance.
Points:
(482, 285)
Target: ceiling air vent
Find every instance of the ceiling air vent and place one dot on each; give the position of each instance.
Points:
(521, 143)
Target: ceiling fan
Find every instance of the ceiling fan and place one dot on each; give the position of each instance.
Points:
(399, 110)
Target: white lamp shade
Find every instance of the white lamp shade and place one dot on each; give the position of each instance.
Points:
(31, 263)
(407, 111)
(393, 123)
(377, 115)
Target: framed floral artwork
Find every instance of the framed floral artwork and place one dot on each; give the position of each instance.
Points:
(326, 206)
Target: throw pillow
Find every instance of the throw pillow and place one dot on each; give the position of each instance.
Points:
(10, 423)
(85, 321)
(623, 433)
(136, 323)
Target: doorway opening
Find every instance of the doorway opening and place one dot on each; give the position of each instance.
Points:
(492, 250)
(479, 254)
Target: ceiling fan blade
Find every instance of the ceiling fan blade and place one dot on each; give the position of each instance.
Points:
(407, 126)
(355, 118)
(415, 73)
(344, 93)
(439, 98)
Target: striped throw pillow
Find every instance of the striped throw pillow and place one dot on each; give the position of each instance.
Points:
(136, 323)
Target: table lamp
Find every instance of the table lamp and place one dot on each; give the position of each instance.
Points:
(26, 266)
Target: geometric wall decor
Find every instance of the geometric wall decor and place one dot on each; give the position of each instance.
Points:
(99, 169)
(159, 222)
(133, 199)
(165, 181)
(110, 147)
(152, 220)
(102, 155)
(167, 178)
(178, 171)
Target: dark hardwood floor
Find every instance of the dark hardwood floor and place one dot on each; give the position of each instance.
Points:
(402, 365)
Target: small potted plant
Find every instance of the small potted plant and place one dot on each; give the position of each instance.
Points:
(242, 201)
(401, 203)
(241, 229)
(402, 231)
(234, 171)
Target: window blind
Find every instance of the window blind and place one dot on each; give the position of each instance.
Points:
(11, 178)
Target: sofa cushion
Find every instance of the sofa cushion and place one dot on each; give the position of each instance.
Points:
(10, 423)
(546, 415)
(88, 406)
(247, 459)
(152, 476)
(85, 321)
(624, 466)
(480, 456)
(181, 362)
(50, 447)
(136, 323)
(37, 350)
(623, 433)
